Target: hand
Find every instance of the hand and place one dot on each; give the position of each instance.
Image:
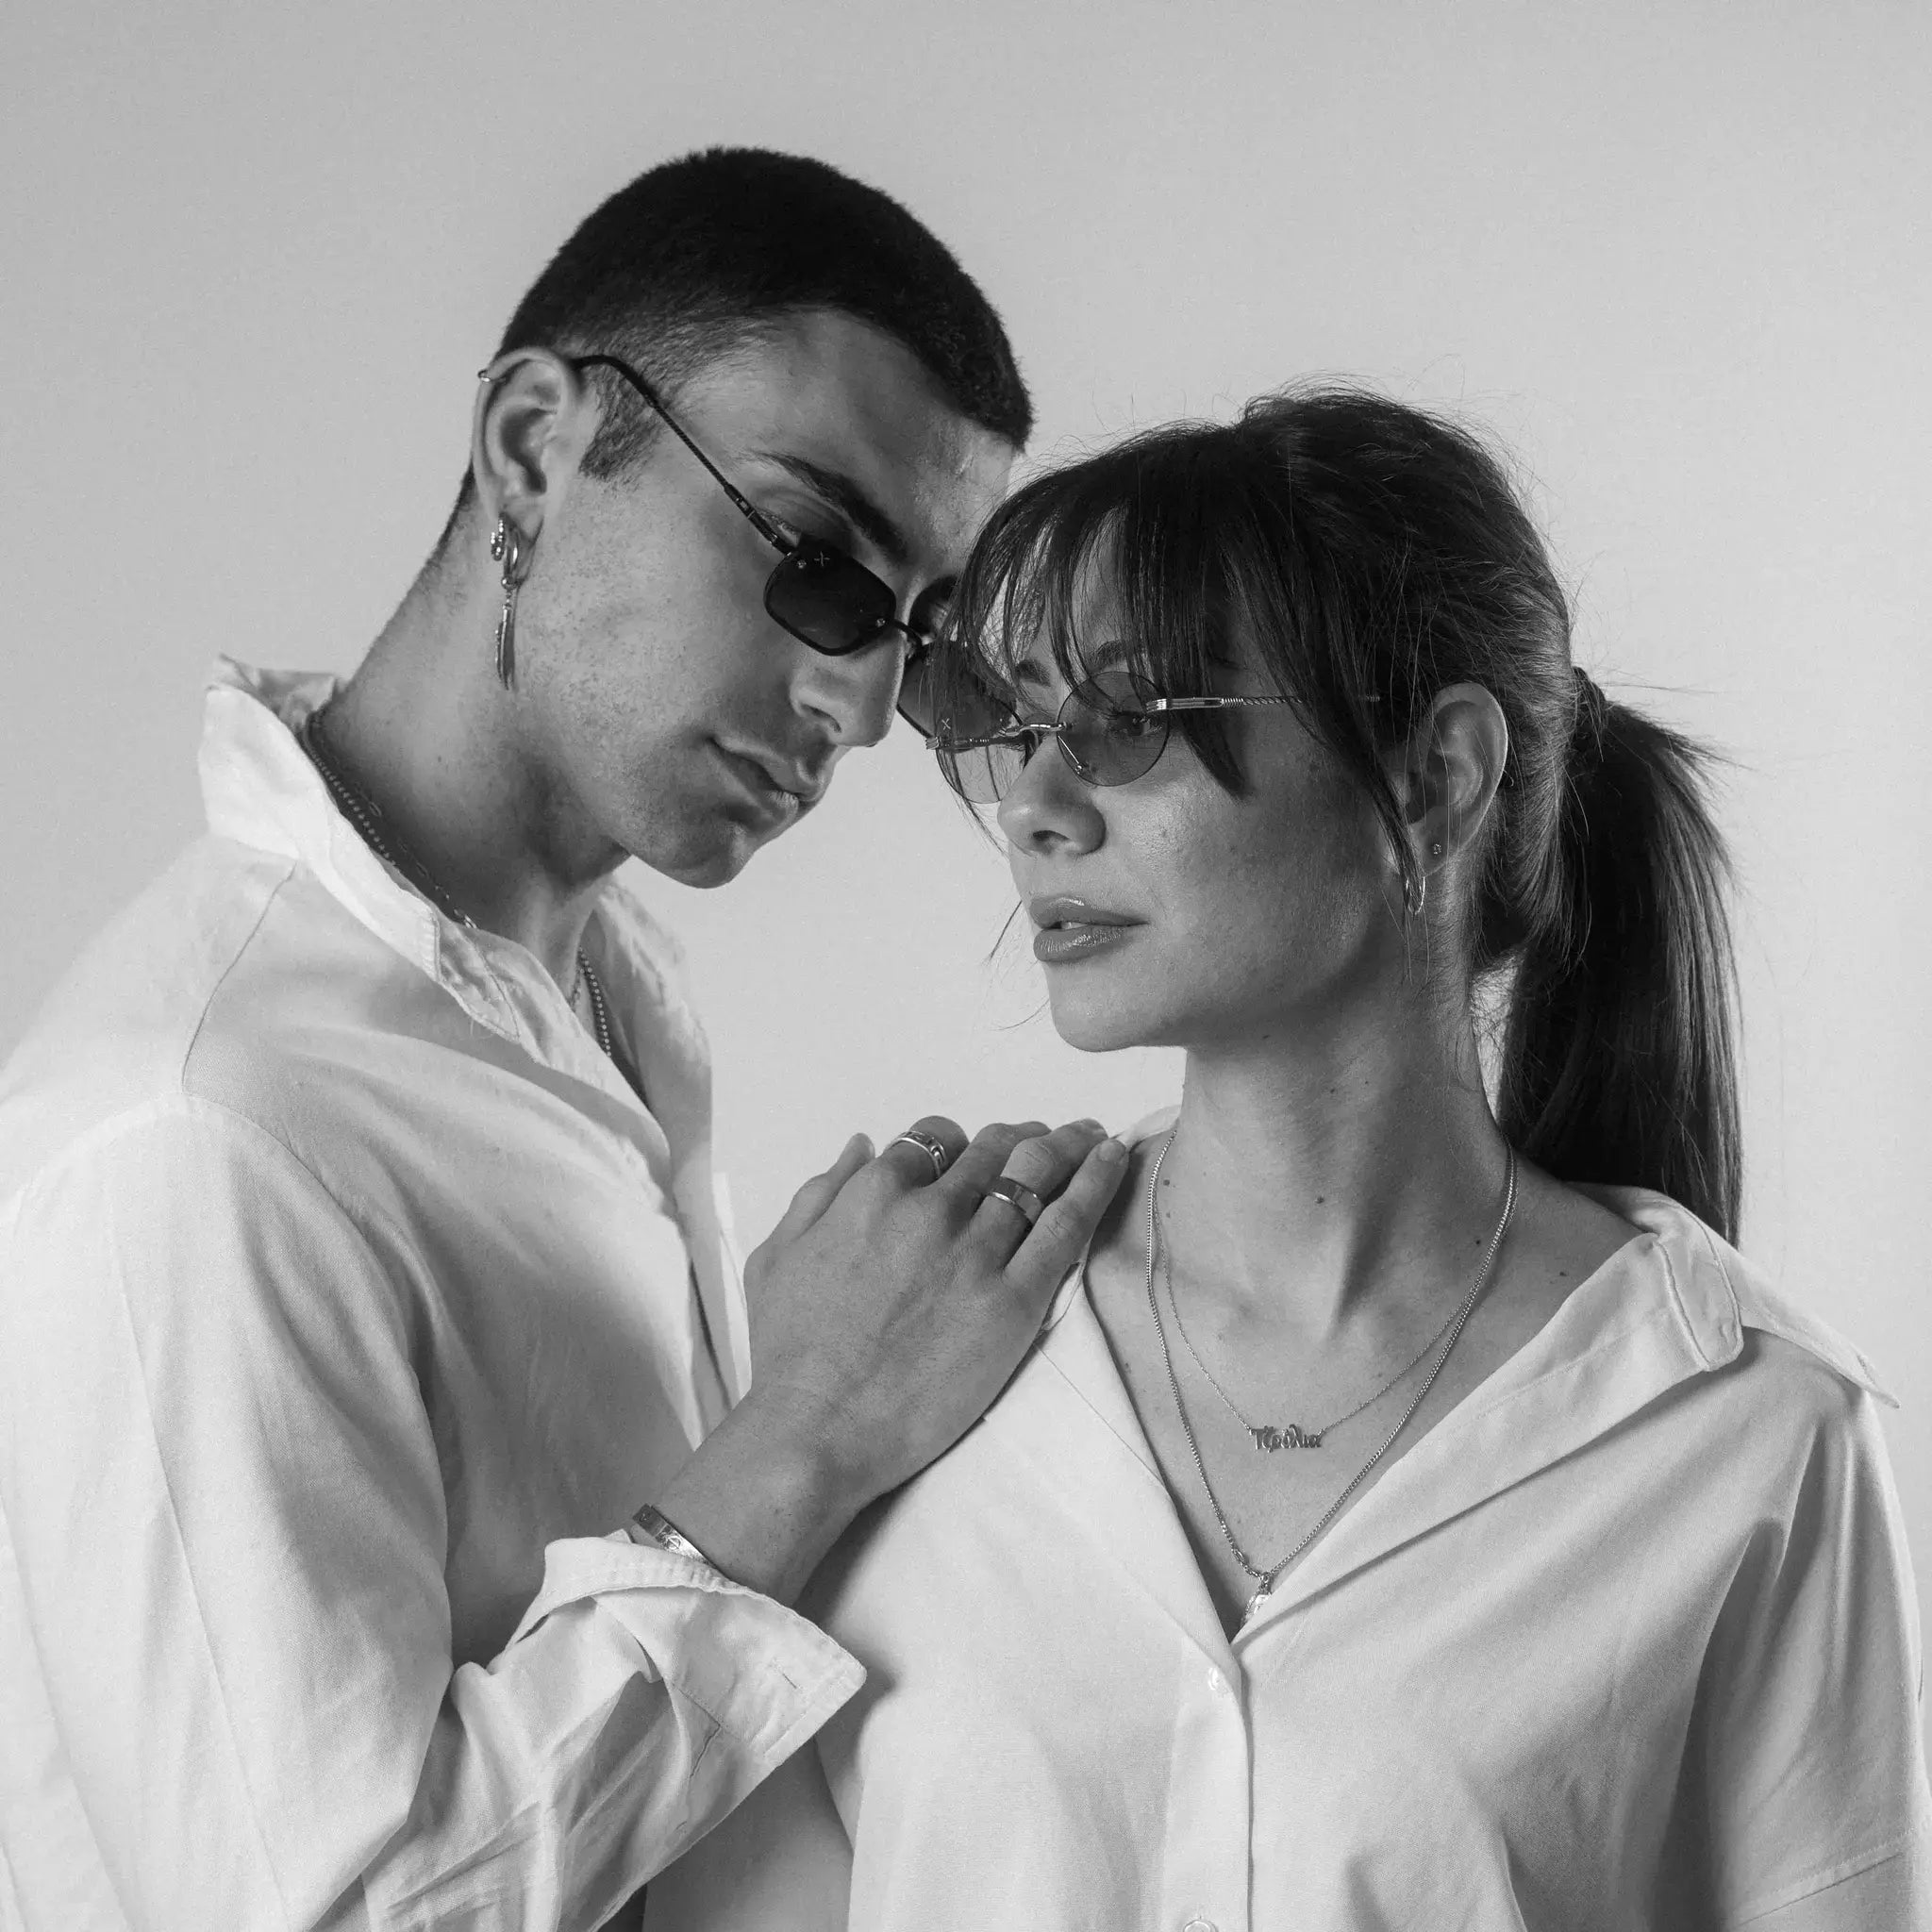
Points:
(887, 1310)
(888, 1307)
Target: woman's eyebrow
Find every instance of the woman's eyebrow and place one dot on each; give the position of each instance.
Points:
(848, 499)
(1115, 651)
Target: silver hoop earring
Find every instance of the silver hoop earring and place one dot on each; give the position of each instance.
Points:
(1417, 895)
(508, 547)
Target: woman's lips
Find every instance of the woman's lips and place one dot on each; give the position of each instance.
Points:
(1072, 929)
(1057, 944)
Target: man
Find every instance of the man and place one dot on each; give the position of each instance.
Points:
(360, 1274)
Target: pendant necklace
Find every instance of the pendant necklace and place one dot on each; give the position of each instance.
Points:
(1270, 1437)
(382, 838)
(1266, 1577)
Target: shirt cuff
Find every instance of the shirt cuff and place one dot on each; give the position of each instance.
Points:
(767, 1677)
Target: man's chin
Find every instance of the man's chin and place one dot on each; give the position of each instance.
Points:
(712, 855)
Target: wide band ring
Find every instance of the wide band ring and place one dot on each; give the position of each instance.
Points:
(934, 1150)
(1014, 1195)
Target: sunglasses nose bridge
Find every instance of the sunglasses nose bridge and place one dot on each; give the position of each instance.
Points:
(1063, 737)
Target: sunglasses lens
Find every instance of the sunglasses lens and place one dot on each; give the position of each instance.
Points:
(829, 600)
(1107, 726)
(948, 694)
(984, 774)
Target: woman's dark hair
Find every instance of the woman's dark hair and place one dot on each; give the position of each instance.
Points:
(1369, 554)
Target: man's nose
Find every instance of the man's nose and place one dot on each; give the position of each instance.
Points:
(856, 693)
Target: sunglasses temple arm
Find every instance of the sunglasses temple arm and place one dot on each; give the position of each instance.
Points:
(1027, 735)
(1162, 705)
(749, 510)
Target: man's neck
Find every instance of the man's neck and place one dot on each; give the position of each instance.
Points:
(424, 730)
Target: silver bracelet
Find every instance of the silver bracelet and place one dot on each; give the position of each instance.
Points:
(667, 1536)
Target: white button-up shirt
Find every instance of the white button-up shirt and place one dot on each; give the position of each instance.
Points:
(350, 1301)
(1625, 1640)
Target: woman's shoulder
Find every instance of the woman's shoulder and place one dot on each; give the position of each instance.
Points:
(1734, 1309)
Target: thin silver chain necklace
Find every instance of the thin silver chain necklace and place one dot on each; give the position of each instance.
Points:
(387, 843)
(1270, 1437)
(1267, 1577)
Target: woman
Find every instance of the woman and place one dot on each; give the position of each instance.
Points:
(1415, 1514)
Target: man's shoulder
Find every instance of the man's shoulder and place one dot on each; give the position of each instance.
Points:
(188, 991)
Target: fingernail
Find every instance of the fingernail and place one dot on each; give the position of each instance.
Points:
(1094, 1125)
(1110, 1152)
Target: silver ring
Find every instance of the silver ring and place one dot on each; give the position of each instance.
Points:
(934, 1150)
(1016, 1195)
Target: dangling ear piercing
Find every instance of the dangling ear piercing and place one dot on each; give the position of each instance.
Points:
(1418, 896)
(508, 547)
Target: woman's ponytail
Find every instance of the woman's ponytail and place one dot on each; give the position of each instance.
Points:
(1617, 1046)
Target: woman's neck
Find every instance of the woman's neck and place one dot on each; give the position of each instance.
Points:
(1320, 1189)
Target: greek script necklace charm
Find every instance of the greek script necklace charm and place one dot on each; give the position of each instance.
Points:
(1294, 1437)
(1269, 1437)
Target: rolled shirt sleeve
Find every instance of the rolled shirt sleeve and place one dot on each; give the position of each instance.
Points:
(225, 1513)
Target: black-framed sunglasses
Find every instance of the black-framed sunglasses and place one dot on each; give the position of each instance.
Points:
(1111, 730)
(822, 595)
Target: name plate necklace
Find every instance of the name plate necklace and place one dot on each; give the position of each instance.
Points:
(1267, 1576)
(1270, 1437)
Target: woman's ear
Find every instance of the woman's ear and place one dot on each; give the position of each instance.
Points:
(1449, 771)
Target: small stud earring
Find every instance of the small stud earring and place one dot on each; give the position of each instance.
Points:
(508, 547)
(1436, 849)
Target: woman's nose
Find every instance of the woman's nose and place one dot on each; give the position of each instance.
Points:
(1047, 807)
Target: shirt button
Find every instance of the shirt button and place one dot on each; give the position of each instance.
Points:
(1197, 1924)
(1217, 1684)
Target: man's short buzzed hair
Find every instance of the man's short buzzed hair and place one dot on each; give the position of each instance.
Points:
(702, 254)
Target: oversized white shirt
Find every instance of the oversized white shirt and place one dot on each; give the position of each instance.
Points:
(350, 1301)
(1626, 1640)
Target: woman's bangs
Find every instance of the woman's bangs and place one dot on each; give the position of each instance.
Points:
(1103, 554)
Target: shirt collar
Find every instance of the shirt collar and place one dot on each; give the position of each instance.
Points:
(1709, 1290)
(260, 789)
(1668, 1307)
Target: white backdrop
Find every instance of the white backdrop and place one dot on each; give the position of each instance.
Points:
(1676, 255)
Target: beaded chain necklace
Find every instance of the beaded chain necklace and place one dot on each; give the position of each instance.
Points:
(383, 840)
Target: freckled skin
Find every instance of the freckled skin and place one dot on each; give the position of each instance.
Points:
(1266, 911)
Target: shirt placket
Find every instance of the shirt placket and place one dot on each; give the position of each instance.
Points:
(1204, 1883)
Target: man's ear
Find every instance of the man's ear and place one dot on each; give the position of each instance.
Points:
(1449, 772)
(533, 419)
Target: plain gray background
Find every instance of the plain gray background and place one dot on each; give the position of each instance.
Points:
(1676, 256)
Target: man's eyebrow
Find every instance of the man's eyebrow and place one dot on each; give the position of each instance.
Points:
(845, 495)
